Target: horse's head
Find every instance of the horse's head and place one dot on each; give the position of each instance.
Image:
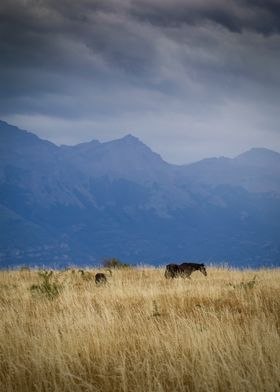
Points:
(202, 269)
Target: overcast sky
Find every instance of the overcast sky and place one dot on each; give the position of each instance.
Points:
(190, 78)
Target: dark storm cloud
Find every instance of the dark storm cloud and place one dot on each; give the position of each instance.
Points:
(160, 68)
(260, 16)
(30, 29)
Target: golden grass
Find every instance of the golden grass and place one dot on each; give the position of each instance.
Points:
(141, 333)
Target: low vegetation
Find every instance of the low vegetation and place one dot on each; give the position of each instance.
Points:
(115, 263)
(48, 286)
(60, 332)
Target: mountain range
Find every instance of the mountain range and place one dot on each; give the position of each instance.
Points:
(81, 204)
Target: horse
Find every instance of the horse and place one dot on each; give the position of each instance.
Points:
(171, 271)
(183, 270)
(101, 278)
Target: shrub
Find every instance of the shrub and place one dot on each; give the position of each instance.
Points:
(115, 263)
(46, 288)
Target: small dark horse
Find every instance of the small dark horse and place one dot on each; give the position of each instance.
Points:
(184, 270)
(100, 278)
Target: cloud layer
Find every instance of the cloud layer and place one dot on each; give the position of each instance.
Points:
(191, 78)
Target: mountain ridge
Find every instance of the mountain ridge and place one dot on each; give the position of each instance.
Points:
(79, 204)
(133, 140)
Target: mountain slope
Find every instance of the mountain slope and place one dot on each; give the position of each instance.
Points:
(82, 203)
(257, 170)
(126, 158)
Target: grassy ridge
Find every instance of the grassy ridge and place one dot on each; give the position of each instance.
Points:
(141, 332)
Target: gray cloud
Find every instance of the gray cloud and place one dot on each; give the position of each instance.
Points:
(182, 75)
(239, 15)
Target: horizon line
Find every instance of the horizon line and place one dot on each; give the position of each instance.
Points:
(130, 135)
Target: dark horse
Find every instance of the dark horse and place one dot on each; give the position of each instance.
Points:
(100, 279)
(184, 270)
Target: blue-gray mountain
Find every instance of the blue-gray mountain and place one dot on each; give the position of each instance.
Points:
(81, 204)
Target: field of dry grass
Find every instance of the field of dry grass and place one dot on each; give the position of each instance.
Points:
(141, 332)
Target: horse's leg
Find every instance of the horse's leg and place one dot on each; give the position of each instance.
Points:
(167, 275)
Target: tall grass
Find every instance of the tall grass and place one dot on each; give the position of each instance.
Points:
(141, 332)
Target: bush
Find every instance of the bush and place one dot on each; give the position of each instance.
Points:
(46, 288)
(115, 263)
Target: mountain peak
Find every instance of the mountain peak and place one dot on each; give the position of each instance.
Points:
(259, 156)
(129, 142)
(129, 138)
(259, 150)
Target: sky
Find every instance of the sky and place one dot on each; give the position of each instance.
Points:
(190, 78)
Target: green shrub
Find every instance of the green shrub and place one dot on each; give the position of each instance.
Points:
(115, 263)
(47, 288)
